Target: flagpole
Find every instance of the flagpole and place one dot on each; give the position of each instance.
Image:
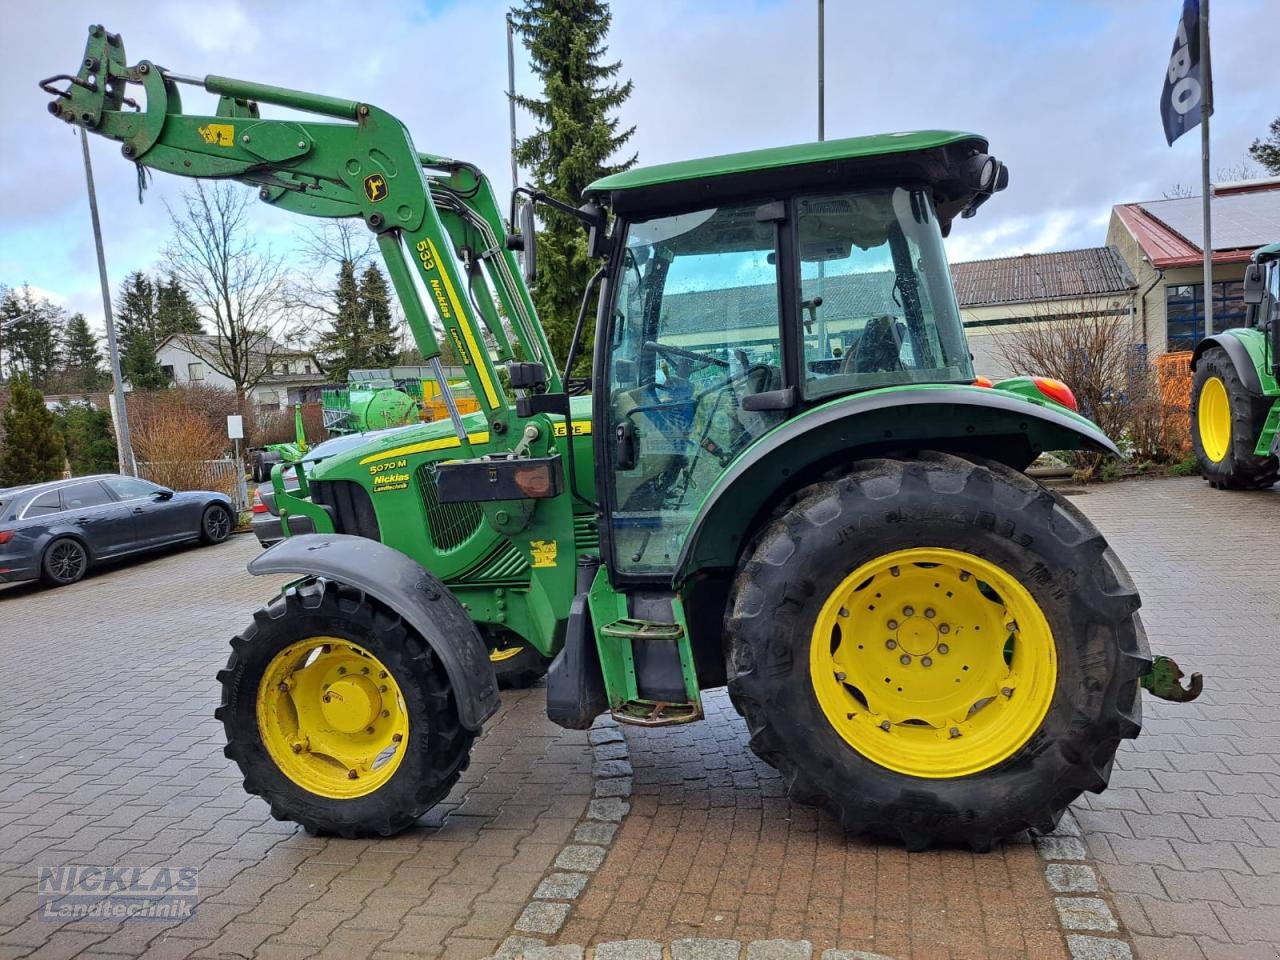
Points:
(1206, 188)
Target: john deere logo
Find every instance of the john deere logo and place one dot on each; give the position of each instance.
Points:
(375, 187)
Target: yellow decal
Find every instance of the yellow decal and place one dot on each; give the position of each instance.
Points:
(581, 428)
(218, 134)
(544, 552)
(448, 306)
(375, 187)
(444, 443)
(385, 482)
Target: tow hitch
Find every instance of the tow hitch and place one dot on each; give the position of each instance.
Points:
(1163, 681)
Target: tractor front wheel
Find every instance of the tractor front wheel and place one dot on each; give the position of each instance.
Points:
(938, 650)
(1226, 420)
(339, 715)
(516, 664)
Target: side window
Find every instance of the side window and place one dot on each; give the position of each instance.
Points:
(46, 503)
(129, 488)
(82, 495)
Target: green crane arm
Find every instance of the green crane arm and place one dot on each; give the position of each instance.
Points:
(440, 233)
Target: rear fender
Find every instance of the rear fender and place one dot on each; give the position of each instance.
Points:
(958, 419)
(395, 581)
(1241, 346)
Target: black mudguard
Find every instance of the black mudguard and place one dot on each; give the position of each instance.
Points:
(1239, 356)
(421, 599)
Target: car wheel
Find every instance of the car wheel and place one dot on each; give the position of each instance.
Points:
(215, 526)
(65, 561)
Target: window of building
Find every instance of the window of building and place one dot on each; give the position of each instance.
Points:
(1184, 311)
(195, 371)
(167, 370)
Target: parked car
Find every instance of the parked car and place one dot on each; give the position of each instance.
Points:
(56, 531)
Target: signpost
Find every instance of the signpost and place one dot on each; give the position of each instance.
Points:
(235, 431)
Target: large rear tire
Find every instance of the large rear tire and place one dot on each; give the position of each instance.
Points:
(936, 649)
(1226, 421)
(339, 715)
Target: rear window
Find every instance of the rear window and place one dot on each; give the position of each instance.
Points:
(45, 503)
(82, 495)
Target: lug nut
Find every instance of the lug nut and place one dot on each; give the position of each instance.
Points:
(297, 748)
(386, 713)
(928, 612)
(891, 644)
(1011, 627)
(927, 662)
(955, 732)
(905, 659)
(943, 648)
(382, 674)
(368, 729)
(364, 669)
(964, 576)
(283, 688)
(884, 725)
(342, 670)
(909, 611)
(383, 688)
(1007, 691)
(327, 697)
(944, 628)
(893, 624)
(352, 775)
(840, 677)
(397, 737)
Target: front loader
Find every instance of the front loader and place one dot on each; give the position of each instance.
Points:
(1235, 393)
(787, 480)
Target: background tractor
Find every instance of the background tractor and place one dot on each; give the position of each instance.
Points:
(786, 479)
(1235, 392)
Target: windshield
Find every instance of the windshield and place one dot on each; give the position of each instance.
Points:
(877, 308)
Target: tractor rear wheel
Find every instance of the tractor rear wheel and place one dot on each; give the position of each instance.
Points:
(339, 715)
(516, 664)
(938, 650)
(1226, 420)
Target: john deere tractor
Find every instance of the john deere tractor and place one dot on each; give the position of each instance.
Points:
(786, 479)
(1235, 396)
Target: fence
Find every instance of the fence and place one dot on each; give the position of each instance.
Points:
(1173, 374)
(225, 476)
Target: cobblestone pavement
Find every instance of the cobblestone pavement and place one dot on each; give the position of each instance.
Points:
(111, 756)
(1188, 836)
(1187, 839)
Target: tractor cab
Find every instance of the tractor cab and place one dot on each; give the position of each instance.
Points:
(746, 289)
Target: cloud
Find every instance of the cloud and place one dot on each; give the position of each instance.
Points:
(1067, 94)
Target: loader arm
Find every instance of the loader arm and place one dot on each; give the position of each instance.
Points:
(360, 162)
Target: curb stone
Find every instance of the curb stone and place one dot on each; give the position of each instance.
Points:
(1063, 850)
(527, 948)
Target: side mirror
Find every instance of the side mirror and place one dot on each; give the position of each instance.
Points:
(164, 493)
(597, 229)
(1254, 283)
(528, 232)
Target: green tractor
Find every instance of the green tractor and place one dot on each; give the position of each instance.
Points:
(1235, 393)
(786, 479)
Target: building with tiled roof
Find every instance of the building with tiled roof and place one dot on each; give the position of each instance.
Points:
(1161, 242)
(996, 296)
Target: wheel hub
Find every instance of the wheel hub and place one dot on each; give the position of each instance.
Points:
(933, 662)
(332, 717)
(351, 704)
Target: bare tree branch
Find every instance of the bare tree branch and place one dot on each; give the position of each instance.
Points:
(234, 279)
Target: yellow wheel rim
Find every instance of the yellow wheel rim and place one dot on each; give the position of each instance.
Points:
(1214, 418)
(332, 717)
(933, 662)
(505, 653)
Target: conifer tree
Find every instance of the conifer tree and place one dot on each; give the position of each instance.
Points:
(345, 345)
(32, 449)
(375, 309)
(576, 138)
(83, 361)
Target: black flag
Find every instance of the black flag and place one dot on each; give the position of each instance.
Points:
(1186, 79)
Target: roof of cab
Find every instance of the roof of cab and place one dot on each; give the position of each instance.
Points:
(849, 148)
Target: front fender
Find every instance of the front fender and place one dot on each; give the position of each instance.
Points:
(959, 419)
(421, 599)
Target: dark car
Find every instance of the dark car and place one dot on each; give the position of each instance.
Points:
(57, 530)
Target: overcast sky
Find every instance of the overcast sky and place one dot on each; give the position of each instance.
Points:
(1067, 92)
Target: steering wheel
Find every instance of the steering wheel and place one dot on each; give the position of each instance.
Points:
(680, 353)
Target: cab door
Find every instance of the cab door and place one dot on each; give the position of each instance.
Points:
(695, 330)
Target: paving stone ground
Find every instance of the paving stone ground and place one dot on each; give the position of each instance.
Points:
(1188, 837)
(110, 755)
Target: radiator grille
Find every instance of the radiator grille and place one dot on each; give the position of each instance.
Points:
(450, 523)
